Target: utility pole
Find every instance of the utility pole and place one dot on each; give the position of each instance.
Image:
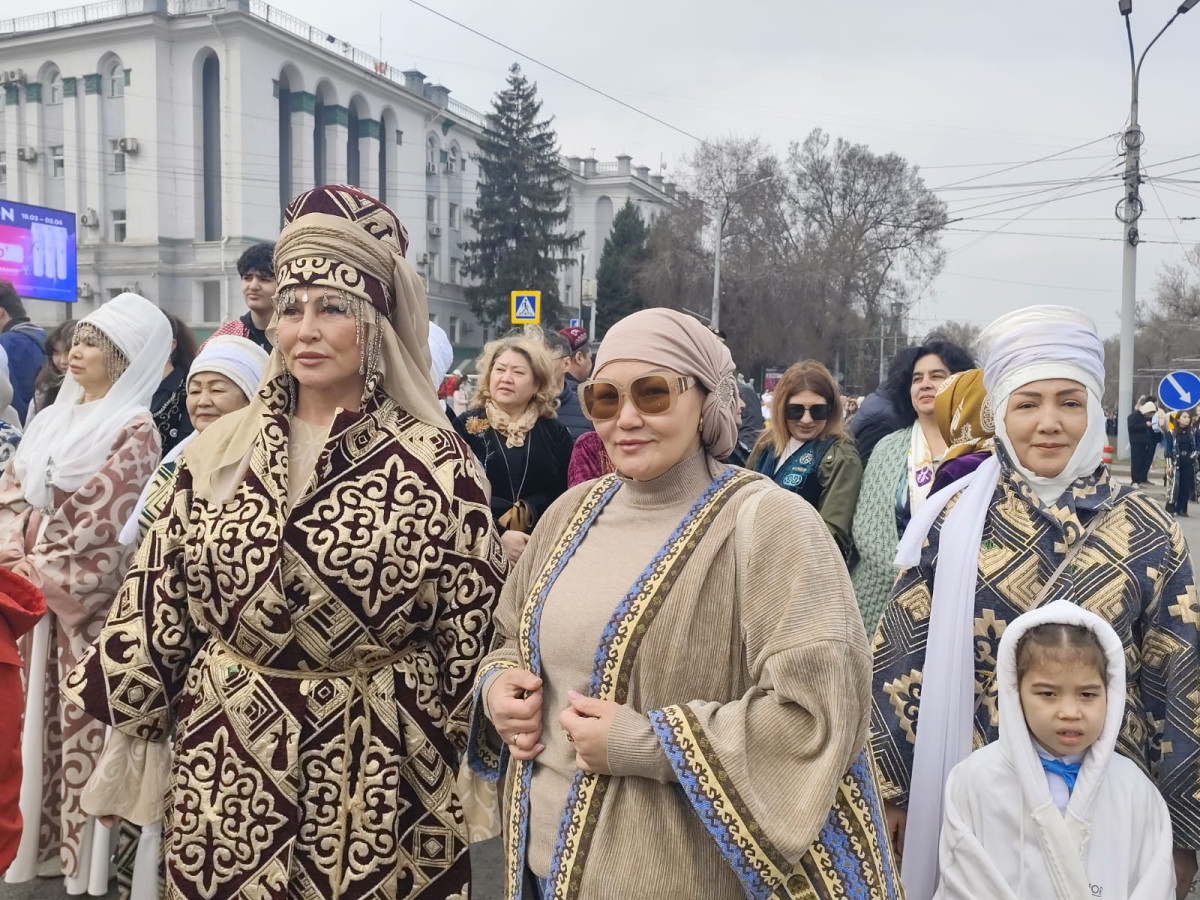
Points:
(1128, 211)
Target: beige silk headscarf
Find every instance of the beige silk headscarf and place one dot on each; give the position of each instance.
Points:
(352, 248)
(676, 341)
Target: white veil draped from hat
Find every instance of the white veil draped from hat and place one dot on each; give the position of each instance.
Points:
(64, 449)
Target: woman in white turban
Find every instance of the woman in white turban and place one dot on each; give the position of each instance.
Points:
(1039, 521)
(71, 487)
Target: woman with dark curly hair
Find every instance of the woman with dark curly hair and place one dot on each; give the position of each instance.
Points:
(900, 474)
(512, 428)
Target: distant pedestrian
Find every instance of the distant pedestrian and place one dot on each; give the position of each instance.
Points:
(569, 412)
(24, 343)
(257, 270)
(1184, 465)
(578, 364)
(1142, 441)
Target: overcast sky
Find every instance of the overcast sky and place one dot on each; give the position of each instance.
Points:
(959, 88)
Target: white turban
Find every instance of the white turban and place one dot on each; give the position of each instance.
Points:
(1039, 343)
(240, 360)
(442, 353)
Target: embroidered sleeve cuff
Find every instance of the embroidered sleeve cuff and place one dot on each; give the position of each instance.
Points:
(714, 799)
(633, 748)
(487, 755)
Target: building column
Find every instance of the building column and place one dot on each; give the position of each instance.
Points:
(303, 106)
(12, 142)
(38, 170)
(368, 155)
(73, 147)
(95, 159)
(337, 119)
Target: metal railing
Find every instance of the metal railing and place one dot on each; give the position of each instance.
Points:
(75, 15)
(260, 9)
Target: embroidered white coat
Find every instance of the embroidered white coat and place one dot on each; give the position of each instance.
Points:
(1004, 838)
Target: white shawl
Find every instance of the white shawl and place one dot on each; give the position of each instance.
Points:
(63, 451)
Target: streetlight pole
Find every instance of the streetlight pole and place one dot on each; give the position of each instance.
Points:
(715, 318)
(1129, 210)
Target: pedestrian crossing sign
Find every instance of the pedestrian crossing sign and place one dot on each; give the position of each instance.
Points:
(526, 307)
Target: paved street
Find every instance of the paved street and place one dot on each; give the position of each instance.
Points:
(486, 857)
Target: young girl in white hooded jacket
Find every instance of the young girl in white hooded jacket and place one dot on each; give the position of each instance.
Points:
(1050, 811)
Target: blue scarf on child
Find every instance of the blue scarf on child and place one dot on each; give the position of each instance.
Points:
(1068, 771)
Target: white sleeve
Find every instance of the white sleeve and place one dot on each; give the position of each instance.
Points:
(1154, 867)
(964, 868)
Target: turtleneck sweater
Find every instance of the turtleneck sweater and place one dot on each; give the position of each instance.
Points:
(630, 530)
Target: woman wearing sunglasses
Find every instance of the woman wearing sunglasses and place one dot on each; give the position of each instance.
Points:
(900, 473)
(680, 686)
(807, 449)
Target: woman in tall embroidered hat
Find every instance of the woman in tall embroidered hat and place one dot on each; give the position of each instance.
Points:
(900, 473)
(1040, 520)
(808, 450)
(305, 619)
(679, 693)
(511, 426)
(64, 497)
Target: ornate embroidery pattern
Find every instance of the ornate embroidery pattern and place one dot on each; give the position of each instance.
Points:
(614, 663)
(317, 664)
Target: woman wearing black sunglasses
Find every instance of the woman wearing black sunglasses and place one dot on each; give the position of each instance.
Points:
(807, 450)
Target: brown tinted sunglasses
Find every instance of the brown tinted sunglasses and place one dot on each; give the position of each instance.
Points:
(652, 394)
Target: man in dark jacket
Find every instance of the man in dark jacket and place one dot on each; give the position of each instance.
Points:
(25, 345)
(577, 365)
(875, 420)
(570, 413)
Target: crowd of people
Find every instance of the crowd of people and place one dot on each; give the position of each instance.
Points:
(295, 614)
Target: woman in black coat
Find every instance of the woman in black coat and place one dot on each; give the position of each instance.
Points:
(511, 427)
(1142, 441)
(1185, 465)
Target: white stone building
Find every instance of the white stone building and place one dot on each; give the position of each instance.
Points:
(177, 130)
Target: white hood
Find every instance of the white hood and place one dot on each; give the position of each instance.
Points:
(1014, 733)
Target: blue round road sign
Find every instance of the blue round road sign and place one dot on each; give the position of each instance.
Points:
(1179, 391)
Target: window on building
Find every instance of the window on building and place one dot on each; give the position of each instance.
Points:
(55, 92)
(453, 335)
(433, 319)
(432, 270)
(430, 153)
(116, 80)
(114, 293)
(118, 224)
(452, 160)
(118, 157)
(431, 209)
(212, 300)
(454, 273)
(58, 166)
(454, 216)
(3, 167)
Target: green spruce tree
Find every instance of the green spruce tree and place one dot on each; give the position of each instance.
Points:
(625, 251)
(521, 210)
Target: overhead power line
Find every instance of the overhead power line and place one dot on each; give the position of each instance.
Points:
(560, 73)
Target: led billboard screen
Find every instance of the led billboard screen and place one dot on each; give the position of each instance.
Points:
(37, 251)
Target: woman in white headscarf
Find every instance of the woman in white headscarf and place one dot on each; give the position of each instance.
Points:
(1039, 521)
(222, 379)
(71, 487)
